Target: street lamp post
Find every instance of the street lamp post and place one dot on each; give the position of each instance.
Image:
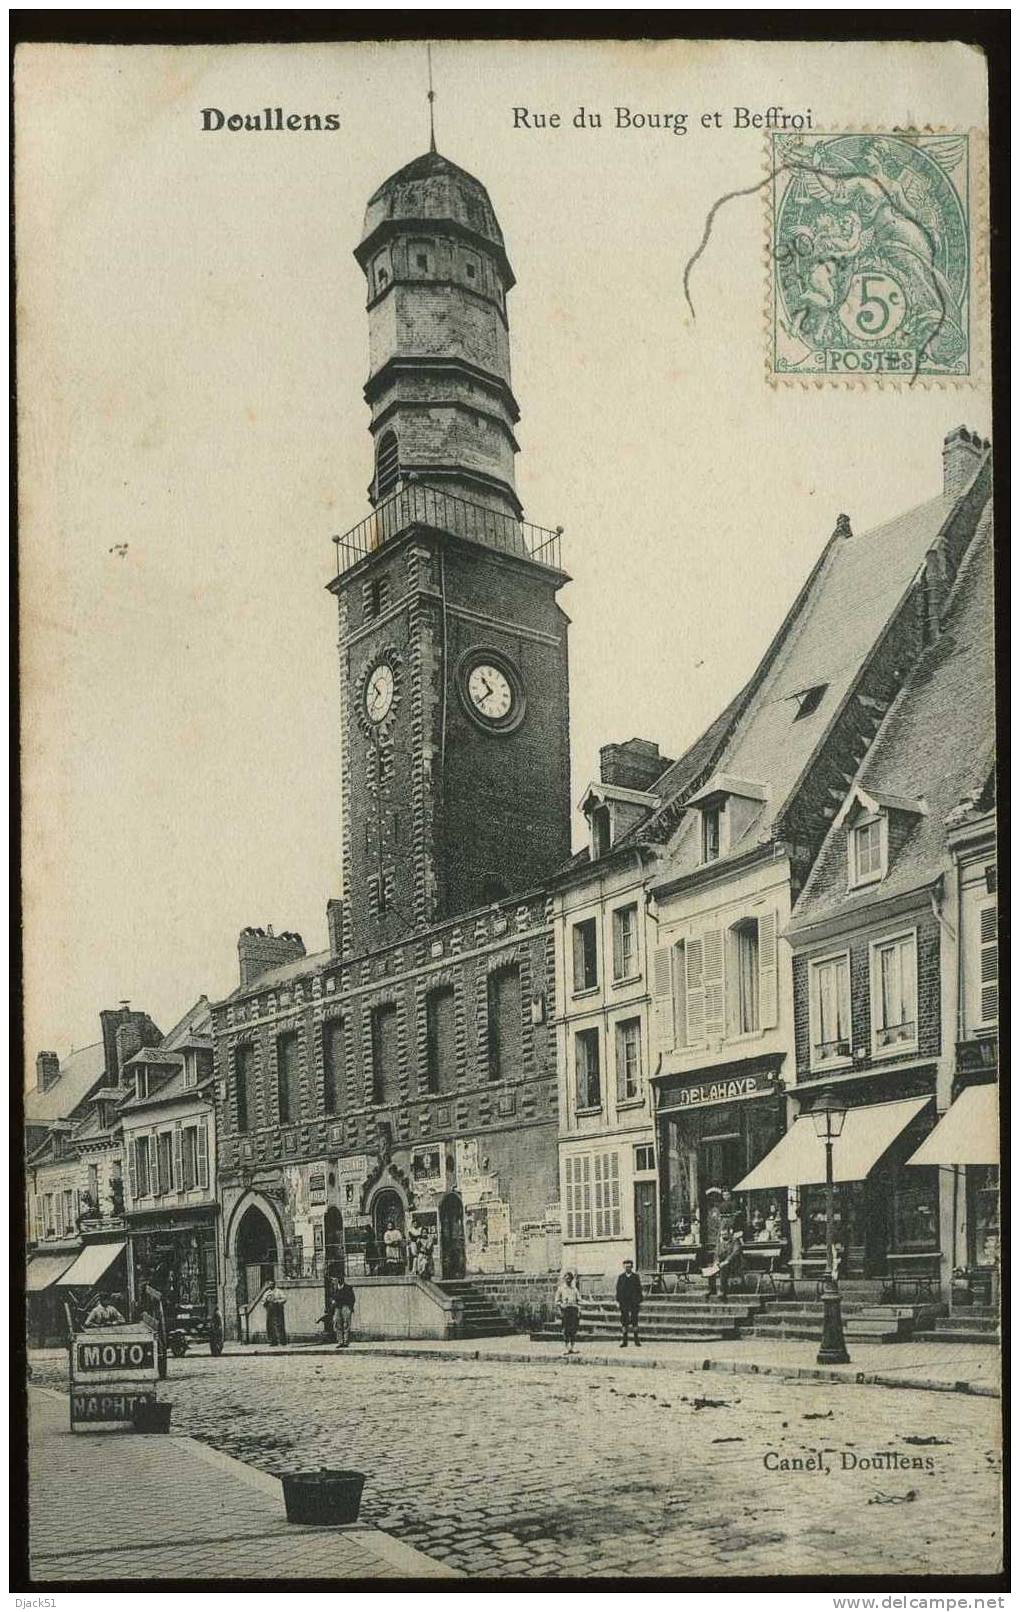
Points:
(828, 1114)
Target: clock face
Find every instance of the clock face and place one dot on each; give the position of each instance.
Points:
(379, 692)
(490, 692)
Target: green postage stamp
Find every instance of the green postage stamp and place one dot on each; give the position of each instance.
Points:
(870, 256)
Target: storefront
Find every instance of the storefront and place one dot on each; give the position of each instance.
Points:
(713, 1128)
(965, 1144)
(881, 1208)
(46, 1323)
(176, 1254)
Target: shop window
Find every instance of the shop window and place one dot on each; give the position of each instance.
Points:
(867, 851)
(894, 994)
(586, 968)
(505, 1023)
(745, 1017)
(983, 1214)
(830, 1010)
(385, 1067)
(628, 1060)
(244, 1088)
(288, 1079)
(440, 1039)
(586, 1070)
(916, 1210)
(625, 962)
(332, 1065)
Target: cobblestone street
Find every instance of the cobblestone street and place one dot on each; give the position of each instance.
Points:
(505, 1470)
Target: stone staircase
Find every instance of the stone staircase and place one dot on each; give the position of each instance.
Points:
(974, 1325)
(664, 1317)
(863, 1322)
(482, 1318)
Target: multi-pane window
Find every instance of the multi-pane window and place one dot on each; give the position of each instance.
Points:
(644, 1158)
(625, 942)
(69, 1209)
(586, 1069)
(628, 1060)
(332, 1065)
(194, 1157)
(830, 1009)
(440, 1039)
(745, 995)
(586, 962)
(894, 993)
(48, 1220)
(244, 1088)
(505, 1023)
(385, 1065)
(288, 1078)
(866, 852)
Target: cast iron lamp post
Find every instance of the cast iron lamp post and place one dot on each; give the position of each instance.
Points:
(828, 1114)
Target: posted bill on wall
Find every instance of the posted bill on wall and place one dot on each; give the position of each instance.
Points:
(508, 770)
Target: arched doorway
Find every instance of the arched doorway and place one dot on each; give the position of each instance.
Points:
(452, 1260)
(388, 1210)
(254, 1252)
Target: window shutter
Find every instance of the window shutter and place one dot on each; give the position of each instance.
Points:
(665, 1026)
(203, 1155)
(132, 1170)
(989, 964)
(768, 970)
(38, 1212)
(578, 958)
(60, 1214)
(695, 992)
(177, 1179)
(715, 999)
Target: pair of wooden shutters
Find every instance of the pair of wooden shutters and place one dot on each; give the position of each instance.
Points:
(690, 984)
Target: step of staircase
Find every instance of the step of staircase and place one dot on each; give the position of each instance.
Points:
(960, 1335)
(482, 1318)
(678, 1332)
(863, 1331)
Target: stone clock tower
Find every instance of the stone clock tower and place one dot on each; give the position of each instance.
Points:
(455, 763)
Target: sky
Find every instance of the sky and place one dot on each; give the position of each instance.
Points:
(192, 432)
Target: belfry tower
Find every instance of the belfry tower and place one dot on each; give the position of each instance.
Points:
(439, 382)
(455, 775)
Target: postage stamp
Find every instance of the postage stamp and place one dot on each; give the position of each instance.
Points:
(870, 256)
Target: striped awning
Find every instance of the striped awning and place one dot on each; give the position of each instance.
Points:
(92, 1263)
(44, 1269)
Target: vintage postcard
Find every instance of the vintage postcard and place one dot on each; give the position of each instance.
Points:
(509, 787)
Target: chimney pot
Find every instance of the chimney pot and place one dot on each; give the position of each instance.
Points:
(962, 452)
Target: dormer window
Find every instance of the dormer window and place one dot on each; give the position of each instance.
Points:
(868, 842)
(808, 700)
(711, 822)
(601, 831)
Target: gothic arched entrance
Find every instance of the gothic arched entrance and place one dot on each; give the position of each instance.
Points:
(387, 1212)
(452, 1261)
(255, 1253)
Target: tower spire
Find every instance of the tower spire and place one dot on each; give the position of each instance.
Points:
(431, 99)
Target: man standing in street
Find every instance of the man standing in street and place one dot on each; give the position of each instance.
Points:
(343, 1312)
(274, 1299)
(629, 1294)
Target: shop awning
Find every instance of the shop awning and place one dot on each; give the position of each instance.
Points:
(92, 1263)
(44, 1269)
(967, 1133)
(798, 1160)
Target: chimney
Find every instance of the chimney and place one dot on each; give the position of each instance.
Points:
(335, 925)
(125, 1031)
(47, 1070)
(962, 452)
(259, 950)
(635, 764)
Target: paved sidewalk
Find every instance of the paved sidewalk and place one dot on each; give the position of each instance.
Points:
(961, 1367)
(128, 1506)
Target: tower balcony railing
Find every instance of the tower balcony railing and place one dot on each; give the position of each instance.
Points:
(417, 504)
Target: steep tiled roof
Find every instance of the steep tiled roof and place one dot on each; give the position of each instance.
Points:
(850, 599)
(936, 744)
(79, 1072)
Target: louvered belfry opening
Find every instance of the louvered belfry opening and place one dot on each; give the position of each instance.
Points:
(387, 466)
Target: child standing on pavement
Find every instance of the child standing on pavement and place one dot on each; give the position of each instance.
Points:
(568, 1302)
